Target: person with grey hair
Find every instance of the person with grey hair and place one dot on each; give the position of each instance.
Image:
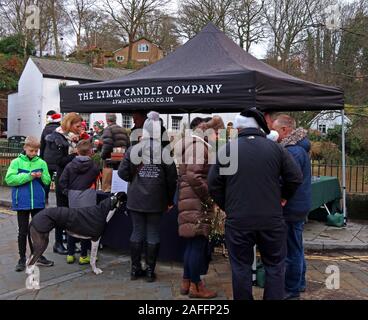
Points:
(296, 210)
(152, 185)
(114, 136)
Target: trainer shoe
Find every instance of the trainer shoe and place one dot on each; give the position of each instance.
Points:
(70, 259)
(84, 260)
(21, 266)
(42, 261)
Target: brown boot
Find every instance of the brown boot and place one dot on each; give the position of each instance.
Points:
(200, 291)
(185, 285)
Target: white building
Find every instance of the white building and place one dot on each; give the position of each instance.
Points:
(38, 91)
(326, 120)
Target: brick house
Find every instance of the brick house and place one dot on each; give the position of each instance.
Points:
(144, 51)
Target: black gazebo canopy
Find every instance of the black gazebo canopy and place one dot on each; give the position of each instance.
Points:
(210, 73)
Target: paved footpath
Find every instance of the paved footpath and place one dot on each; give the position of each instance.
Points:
(72, 282)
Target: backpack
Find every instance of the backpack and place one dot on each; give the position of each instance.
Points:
(55, 148)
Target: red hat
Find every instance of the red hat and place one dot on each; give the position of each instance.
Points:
(55, 117)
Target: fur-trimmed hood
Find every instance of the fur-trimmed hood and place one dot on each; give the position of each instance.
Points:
(216, 123)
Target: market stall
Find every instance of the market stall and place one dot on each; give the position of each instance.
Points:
(210, 73)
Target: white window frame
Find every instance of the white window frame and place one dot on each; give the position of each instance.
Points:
(145, 46)
(176, 123)
(127, 121)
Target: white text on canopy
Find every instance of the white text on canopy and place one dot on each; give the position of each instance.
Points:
(151, 91)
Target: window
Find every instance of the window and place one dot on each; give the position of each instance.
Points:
(143, 47)
(127, 121)
(120, 58)
(322, 128)
(175, 123)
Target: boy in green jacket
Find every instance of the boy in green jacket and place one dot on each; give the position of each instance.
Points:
(28, 175)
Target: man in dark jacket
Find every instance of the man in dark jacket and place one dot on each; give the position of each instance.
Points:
(53, 122)
(114, 136)
(252, 198)
(298, 206)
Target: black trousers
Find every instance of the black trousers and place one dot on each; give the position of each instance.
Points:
(23, 228)
(272, 246)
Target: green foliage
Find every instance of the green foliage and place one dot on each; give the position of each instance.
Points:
(14, 45)
(356, 141)
(10, 70)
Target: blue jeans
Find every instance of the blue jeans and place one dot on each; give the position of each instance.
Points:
(195, 258)
(295, 260)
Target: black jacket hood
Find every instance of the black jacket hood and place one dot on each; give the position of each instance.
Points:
(81, 164)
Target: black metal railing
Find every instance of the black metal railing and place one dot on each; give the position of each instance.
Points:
(356, 174)
(9, 151)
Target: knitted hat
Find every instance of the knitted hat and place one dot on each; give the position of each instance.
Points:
(152, 125)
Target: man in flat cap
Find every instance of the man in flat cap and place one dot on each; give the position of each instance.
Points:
(252, 198)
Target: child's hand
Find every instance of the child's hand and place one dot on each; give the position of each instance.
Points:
(36, 175)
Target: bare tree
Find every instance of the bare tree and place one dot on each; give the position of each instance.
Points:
(14, 14)
(129, 14)
(44, 34)
(249, 22)
(195, 14)
(100, 31)
(287, 21)
(78, 14)
(162, 30)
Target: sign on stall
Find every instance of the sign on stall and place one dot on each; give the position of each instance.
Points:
(118, 184)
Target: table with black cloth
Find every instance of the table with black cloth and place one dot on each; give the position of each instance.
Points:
(326, 191)
(119, 229)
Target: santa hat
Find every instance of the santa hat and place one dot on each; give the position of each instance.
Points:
(54, 118)
(251, 118)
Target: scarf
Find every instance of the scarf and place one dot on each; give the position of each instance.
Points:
(295, 136)
(71, 137)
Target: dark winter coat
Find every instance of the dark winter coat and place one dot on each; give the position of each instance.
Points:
(78, 182)
(152, 186)
(113, 136)
(63, 156)
(299, 205)
(49, 128)
(194, 219)
(88, 222)
(252, 196)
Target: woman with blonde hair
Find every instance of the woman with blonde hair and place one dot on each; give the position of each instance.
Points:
(59, 151)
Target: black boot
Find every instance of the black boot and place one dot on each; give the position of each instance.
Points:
(135, 254)
(60, 249)
(151, 257)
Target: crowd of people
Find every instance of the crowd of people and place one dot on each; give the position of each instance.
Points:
(266, 200)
